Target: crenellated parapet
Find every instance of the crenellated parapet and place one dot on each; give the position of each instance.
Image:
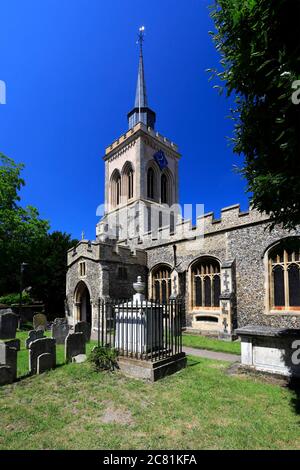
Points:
(106, 252)
(232, 218)
(132, 134)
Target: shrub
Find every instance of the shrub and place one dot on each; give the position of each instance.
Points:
(11, 299)
(103, 358)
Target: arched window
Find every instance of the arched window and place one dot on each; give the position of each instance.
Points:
(150, 183)
(116, 188)
(127, 180)
(206, 285)
(161, 287)
(164, 189)
(284, 275)
(130, 184)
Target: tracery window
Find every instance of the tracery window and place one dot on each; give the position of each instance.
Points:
(161, 287)
(206, 284)
(284, 276)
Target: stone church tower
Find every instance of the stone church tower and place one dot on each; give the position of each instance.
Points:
(141, 174)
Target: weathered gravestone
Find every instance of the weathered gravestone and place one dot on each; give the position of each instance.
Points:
(39, 347)
(39, 321)
(32, 336)
(6, 376)
(45, 362)
(74, 346)
(60, 330)
(8, 324)
(8, 357)
(85, 328)
(14, 343)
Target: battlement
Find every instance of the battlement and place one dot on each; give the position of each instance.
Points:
(140, 127)
(99, 251)
(232, 218)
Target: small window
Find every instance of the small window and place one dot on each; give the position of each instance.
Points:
(82, 269)
(122, 274)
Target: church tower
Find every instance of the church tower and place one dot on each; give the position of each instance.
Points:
(141, 173)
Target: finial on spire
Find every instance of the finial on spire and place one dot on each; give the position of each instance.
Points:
(82, 235)
(141, 37)
(141, 112)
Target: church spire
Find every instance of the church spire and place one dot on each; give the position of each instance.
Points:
(141, 100)
(141, 112)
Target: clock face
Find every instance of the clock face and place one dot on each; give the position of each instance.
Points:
(161, 159)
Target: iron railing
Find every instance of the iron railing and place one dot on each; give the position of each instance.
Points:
(146, 331)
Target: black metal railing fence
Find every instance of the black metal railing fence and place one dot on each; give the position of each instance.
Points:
(147, 331)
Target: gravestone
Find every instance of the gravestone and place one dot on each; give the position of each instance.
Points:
(39, 347)
(8, 325)
(6, 376)
(74, 346)
(45, 362)
(8, 357)
(60, 330)
(85, 328)
(14, 343)
(79, 359)
(39, 321)
(33, 335)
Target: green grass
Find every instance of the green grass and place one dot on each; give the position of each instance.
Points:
(23, 359)
(201, 407)
(211, 344)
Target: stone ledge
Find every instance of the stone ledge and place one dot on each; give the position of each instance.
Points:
(266, 331)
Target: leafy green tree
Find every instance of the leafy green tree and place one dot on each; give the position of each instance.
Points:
(260, 61)
(19, 227)
(24, 237)
(47, 271)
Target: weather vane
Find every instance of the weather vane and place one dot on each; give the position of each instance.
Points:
(141, 36)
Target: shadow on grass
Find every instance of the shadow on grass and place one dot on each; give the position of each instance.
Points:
(294, 385)
(191, 362)
(26, 376)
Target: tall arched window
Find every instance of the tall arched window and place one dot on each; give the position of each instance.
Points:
(115, 188)
(161, 283)
(284, 276)
(130, 184)
(206, 285)
(128, 181)
(150, 183)
(164, 189)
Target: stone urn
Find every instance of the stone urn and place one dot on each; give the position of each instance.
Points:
(139, 288)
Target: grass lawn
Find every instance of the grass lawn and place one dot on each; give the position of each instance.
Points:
(204, 342)
(201, 407)
(23, 359)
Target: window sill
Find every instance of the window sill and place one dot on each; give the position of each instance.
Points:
(206, 311)
(286, 313)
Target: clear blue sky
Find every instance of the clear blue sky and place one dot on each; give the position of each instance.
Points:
(70, 67)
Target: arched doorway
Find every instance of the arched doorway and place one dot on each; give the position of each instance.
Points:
(83, 303)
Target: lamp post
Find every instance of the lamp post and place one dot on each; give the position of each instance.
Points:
(22, 269)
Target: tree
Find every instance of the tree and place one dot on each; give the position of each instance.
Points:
(24, 237)
(19, 227)
(260, 58)
(48, 269)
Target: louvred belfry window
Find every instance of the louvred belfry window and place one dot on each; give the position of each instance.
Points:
(284, 276)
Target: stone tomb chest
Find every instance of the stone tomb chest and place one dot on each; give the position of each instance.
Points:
(271, 350)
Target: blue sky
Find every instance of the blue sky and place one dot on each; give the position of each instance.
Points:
(70, 68)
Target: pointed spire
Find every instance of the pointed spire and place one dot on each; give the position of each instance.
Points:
(141, 112)
(141, 100)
